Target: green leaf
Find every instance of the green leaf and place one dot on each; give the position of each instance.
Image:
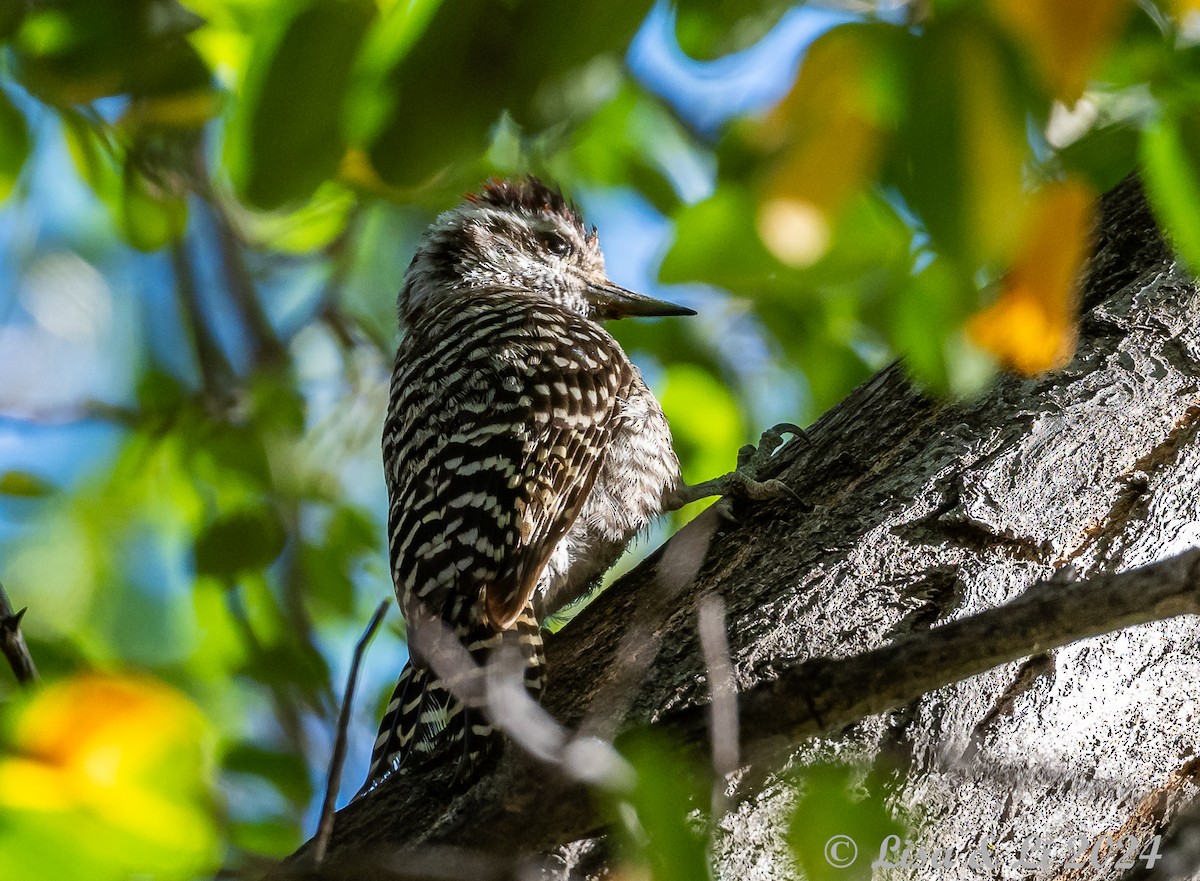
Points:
(287, 136)
(151, 217)
(963, 145)
(488, 58)
(1104, 156)
(11, 14)
(24, 485)
(243, 541)
(833, 836)
(286, 772)
(666, 791)
(709, 29)
(14, 144)
(923, 316)
(75, 51)
(349, 536)
(715, 241)
(705, 421)
(1171, 156)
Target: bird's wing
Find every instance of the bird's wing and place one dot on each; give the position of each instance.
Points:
(489, 472)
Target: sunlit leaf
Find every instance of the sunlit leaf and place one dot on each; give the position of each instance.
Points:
(1171, 156)
(14, 144)
(632, 140)
(95, 159)
(151, 217)
(184, 110)
(107, 777)
(307, 228)
(666, 792)
(833, 835)
(715, 241)
(964, 142)
(385, 45)
(706, 423)
(287, 134)
(1032, 325)
(832, 125)
(1067, 38)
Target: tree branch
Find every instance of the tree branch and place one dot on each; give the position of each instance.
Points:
(12, 643)
(823, 695)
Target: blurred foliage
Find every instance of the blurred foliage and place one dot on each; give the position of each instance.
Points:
(837, 828)
(257, 173)
(106, 778)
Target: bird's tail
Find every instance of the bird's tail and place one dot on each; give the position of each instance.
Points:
(423, 715)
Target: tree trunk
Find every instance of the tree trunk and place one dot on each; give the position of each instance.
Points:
(923, 512)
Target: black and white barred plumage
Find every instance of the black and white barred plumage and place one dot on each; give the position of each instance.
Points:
(522, 449)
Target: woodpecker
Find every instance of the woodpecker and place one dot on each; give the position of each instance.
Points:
(522, 450)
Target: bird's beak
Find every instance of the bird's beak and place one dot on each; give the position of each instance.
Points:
(613, 301)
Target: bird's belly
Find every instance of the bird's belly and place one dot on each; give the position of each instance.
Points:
(640, 470)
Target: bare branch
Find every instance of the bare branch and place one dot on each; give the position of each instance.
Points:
(325, 826)
(823, 695)
(215, 370)
(12, 643)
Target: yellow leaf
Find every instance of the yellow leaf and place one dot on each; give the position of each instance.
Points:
(1032, 325)
(829, 134)
(179, 110)
(128, 753)
(1067, 38)
(1181, 9)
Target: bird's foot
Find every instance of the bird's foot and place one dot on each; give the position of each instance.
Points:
(744, 482)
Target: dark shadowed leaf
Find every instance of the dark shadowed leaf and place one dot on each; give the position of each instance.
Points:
(1103, 156)
(286, 772)
(287, 135)
(24, 485)
(963, 145)
(243, 541)
(492, 57)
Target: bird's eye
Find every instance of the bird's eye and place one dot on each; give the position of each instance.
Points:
(556, 244)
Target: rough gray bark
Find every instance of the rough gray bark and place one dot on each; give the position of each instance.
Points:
(923, 512)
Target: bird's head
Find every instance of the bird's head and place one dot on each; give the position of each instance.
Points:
(524, 235)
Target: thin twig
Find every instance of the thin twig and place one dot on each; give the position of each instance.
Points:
(12, 643)
(723, 712)
(268, 350)
(215, 370)
(325, 827)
